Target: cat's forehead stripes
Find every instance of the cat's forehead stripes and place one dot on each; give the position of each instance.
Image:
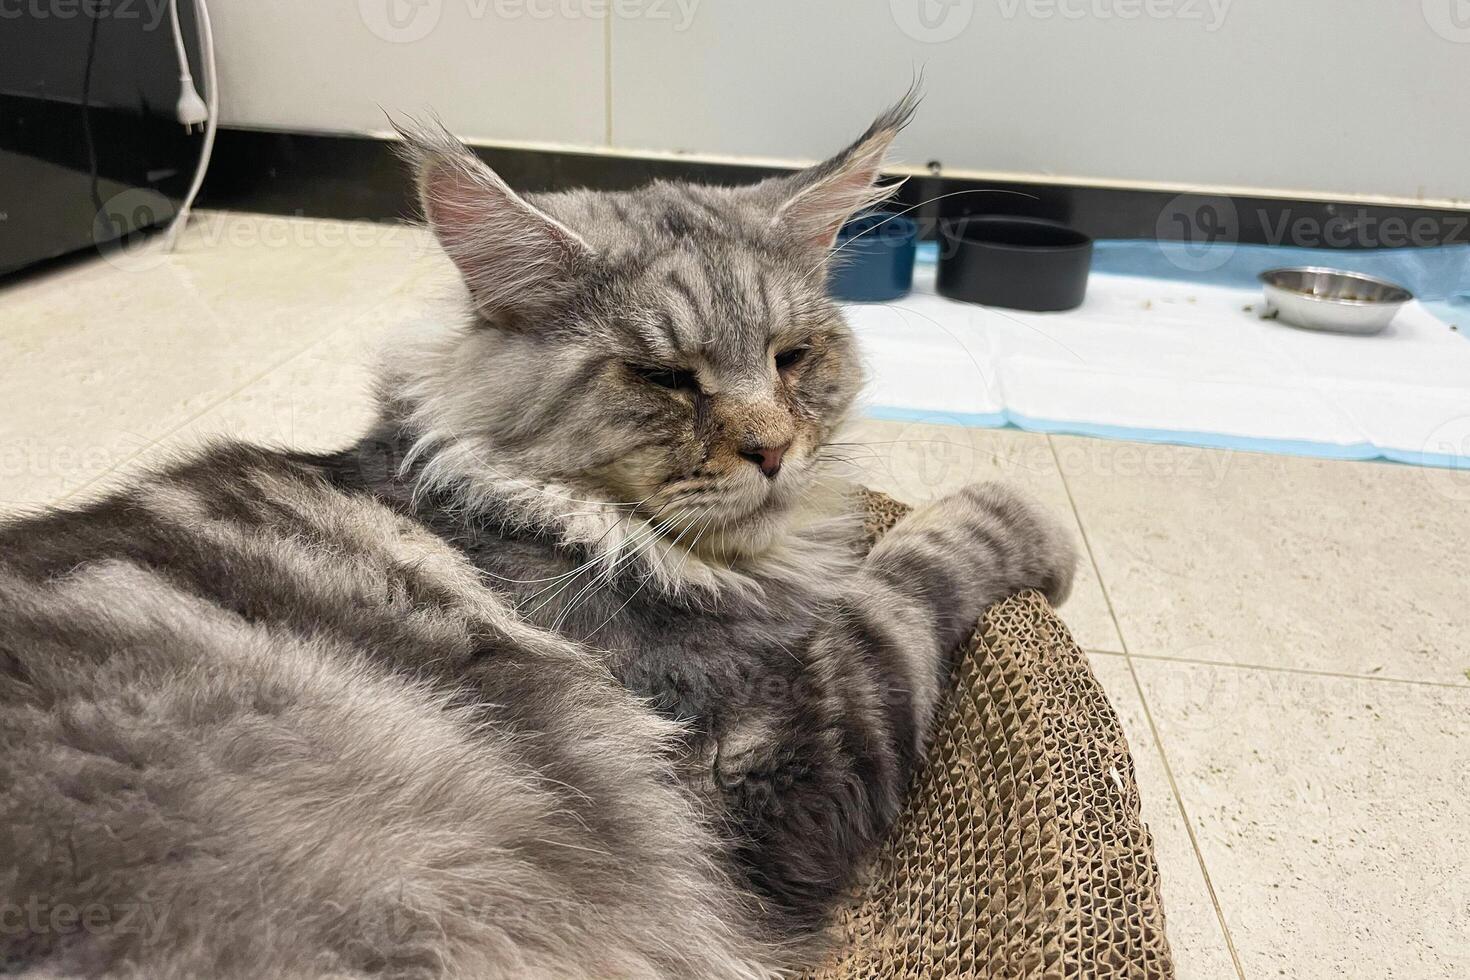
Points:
(700, 262)
(628, 228)
(719, 303)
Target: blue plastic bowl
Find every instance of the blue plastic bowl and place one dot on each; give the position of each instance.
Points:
(873, 260)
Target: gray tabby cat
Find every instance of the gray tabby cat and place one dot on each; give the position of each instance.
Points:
(573, 667)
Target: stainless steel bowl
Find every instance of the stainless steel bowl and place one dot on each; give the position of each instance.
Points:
(1329, 299)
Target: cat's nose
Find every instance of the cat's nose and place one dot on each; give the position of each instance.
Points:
(768, 458)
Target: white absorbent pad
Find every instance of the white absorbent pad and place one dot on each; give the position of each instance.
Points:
(1163, 361)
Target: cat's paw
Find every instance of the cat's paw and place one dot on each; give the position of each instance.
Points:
(1042, 553)
(1000, 541)
(744, 751)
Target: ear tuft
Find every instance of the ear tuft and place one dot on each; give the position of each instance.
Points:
(820, 199)
(513, 257)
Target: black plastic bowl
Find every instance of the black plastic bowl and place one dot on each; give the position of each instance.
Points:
(1018, 263)
(873, 260)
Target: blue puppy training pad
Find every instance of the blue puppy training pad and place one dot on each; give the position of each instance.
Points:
(1161, 352)
(1438, 277)
(1440, 274)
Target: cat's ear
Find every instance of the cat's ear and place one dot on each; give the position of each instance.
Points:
(813, 204)
(514, 258)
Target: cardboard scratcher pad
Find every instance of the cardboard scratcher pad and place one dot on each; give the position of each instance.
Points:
(1021, 853)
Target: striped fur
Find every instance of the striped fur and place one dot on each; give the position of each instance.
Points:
(259, 727)
(553, 674)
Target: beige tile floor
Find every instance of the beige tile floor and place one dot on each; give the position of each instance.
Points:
(1287, 641)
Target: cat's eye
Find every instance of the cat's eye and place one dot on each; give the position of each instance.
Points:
(671, 378)
(792, 357)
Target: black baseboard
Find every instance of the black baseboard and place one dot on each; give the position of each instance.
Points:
(57, 197)
(350, 177)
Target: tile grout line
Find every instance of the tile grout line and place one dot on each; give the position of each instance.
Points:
(1149, 717)
(1087, 545)
(1274, 669)
(1184, 812)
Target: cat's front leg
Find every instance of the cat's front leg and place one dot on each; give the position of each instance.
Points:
(817, 782)
(956, 556)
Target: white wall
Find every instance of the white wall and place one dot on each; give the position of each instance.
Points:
(1350, 97)
(330, 64)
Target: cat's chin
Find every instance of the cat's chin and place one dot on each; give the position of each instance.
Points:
(737, 519)
(774, 523)
(740, 541)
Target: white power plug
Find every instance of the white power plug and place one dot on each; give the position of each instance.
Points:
(194, 111)
(190, 108)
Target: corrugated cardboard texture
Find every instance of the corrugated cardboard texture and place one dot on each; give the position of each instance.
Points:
(1021, 853)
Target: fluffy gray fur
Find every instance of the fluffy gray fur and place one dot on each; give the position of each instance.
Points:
(573, 666)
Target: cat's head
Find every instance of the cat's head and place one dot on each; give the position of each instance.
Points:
(669, 350)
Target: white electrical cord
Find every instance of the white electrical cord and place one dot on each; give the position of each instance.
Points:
(188, 108)
(191, 109)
